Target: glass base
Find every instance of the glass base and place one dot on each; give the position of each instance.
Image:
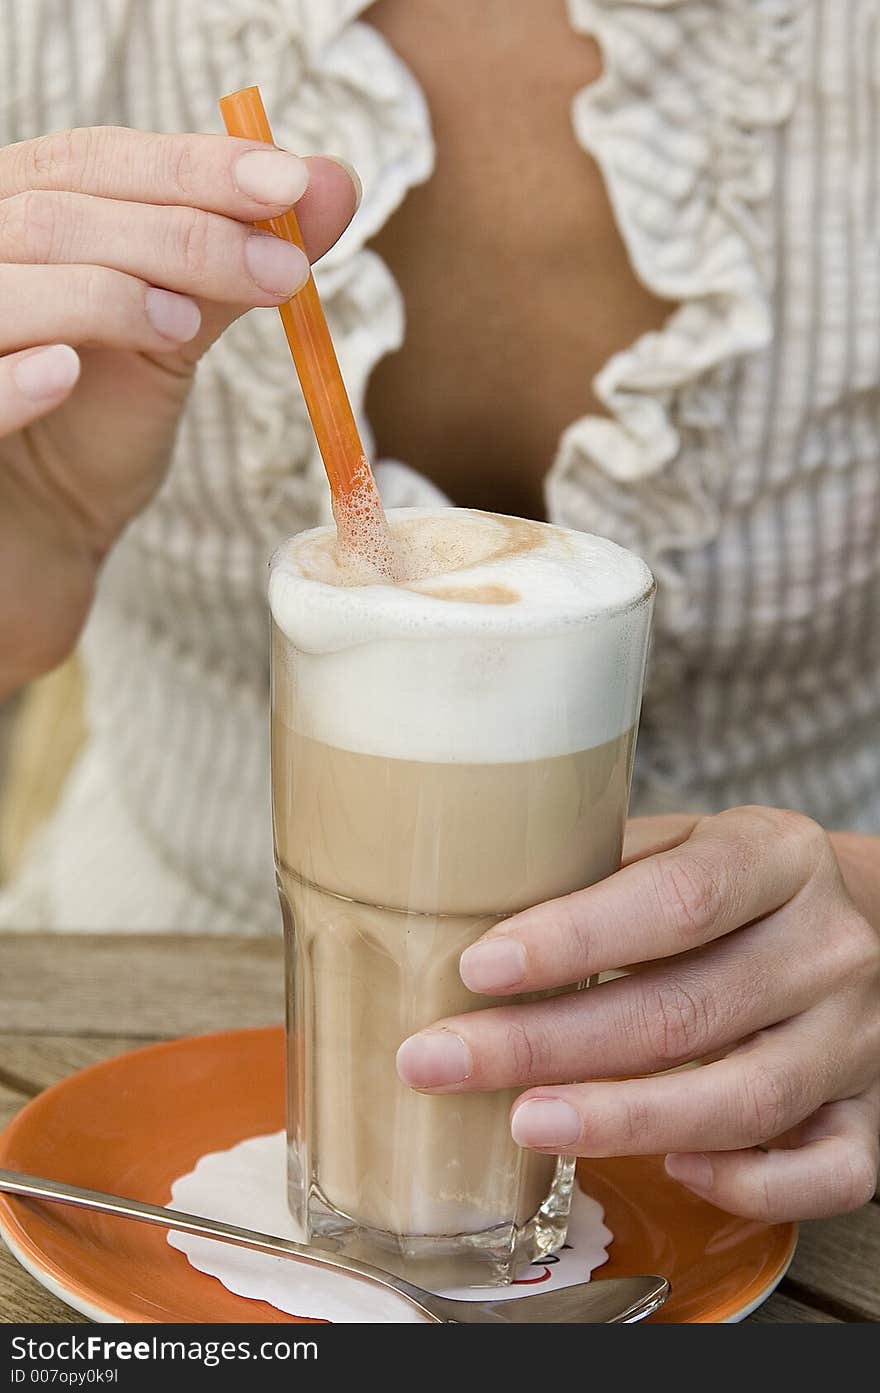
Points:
(491, 1258)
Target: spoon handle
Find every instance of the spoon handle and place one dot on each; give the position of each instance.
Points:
(38, 1188)
(609, 1301)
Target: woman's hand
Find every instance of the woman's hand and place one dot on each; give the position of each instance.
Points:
(753, 957)
(123, 255)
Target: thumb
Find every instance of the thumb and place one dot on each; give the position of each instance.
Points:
(646, 836)
(324, 212)
(33, 382)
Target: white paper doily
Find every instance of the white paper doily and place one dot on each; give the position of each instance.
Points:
(247, 1186)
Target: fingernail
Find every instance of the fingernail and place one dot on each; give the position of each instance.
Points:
(434, 1058)
(47, 372)
(277, 266)
(175, 317)
(545, 1122)
(353, 176)
(493, 966)
(272, 176)
(690, 1168)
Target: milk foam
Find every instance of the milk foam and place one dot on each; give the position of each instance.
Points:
(507, 640)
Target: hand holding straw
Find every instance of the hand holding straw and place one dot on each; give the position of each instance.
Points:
(357, 507)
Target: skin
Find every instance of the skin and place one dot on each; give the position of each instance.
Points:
(763, 929)
(128, 253)
(756, 934)
(751, 954)
(517, 284)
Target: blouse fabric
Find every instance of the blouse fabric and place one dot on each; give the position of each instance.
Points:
(740, 145)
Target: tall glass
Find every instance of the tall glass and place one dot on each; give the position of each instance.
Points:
(443, 755)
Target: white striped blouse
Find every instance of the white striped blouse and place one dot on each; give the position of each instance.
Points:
(740, 142)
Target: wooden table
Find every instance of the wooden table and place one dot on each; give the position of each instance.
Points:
(69, 1000)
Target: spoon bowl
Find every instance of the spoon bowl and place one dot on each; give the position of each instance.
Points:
(609, 1301)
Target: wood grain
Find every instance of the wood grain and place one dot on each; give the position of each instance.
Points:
(837, 1263)
(67, 1001)
(33, 1062)
(145, 985)
(23, 1300)
(11, 1101)
(70, 1001)
(784, 1310)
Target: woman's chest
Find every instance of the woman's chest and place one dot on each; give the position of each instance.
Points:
(516, 282)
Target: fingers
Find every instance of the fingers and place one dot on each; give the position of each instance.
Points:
(242, 178)
(743, 1100)
(33, 383)
(832, 1170)
(328, 204)
(646, 836)
(651, 1020)
(732, 869)
(106, 235)
(219, 174)
(91, 305)
(181, 249)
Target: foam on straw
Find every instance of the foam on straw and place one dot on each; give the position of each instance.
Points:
(503, 640)
(363, 538)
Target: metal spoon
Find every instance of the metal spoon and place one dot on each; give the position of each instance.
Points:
(611, 1301)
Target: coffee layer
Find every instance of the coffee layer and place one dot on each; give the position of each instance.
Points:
(389, 870)
(446, 750)
(472, 839)
(510, 640)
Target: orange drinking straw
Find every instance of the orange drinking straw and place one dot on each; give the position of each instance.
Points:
(355, 496)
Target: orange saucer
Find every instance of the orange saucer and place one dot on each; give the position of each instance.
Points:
(135, 1123)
